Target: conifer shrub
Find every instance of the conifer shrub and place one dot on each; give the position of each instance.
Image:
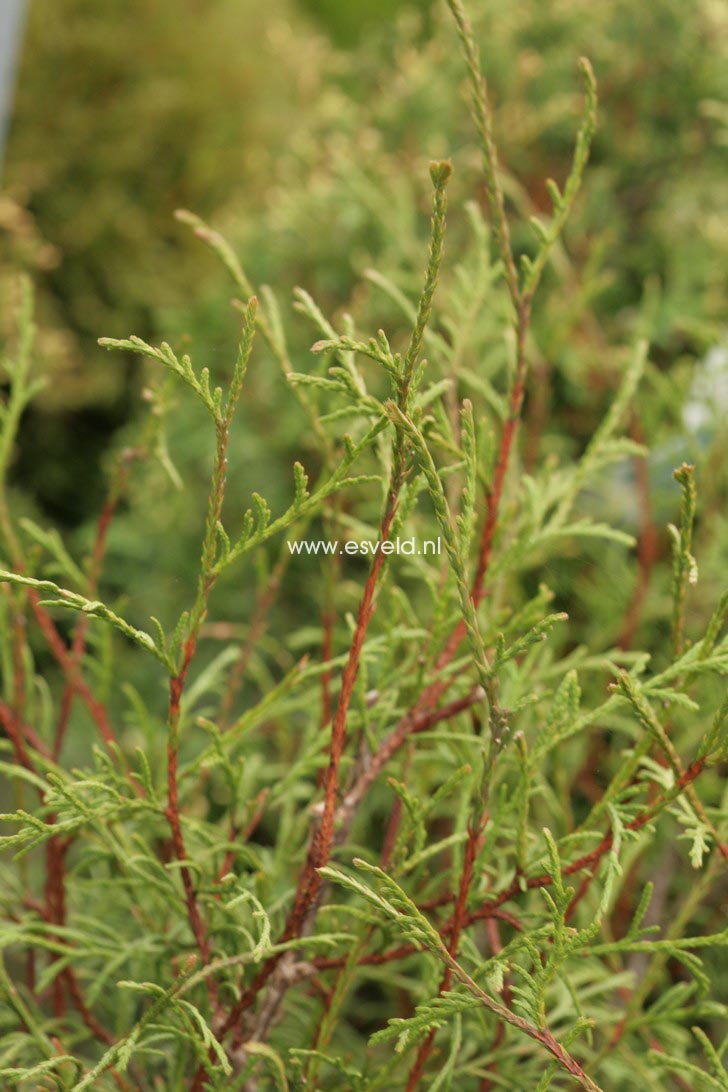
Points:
(394, 818)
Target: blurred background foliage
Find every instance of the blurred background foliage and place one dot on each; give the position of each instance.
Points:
(303, 131)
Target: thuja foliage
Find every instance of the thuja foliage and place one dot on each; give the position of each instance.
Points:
(431, 838)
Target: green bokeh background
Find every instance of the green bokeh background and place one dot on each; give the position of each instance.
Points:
(303, 130)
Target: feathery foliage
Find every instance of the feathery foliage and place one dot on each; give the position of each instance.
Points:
(453, 829)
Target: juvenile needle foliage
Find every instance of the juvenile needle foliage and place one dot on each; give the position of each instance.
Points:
(447, 818)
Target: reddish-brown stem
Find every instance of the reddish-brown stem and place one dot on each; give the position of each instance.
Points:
(67, 663)
(54, 910)
(177, 682)
(458, 918)
(55, 893)
(466, 879)
(96, 562)
(324, 833)
(17, 734)
(538, 413)
(309, 881)
(64, 657)
(432, 694)
(94, 1026)
(70, 669)
(495, 495)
